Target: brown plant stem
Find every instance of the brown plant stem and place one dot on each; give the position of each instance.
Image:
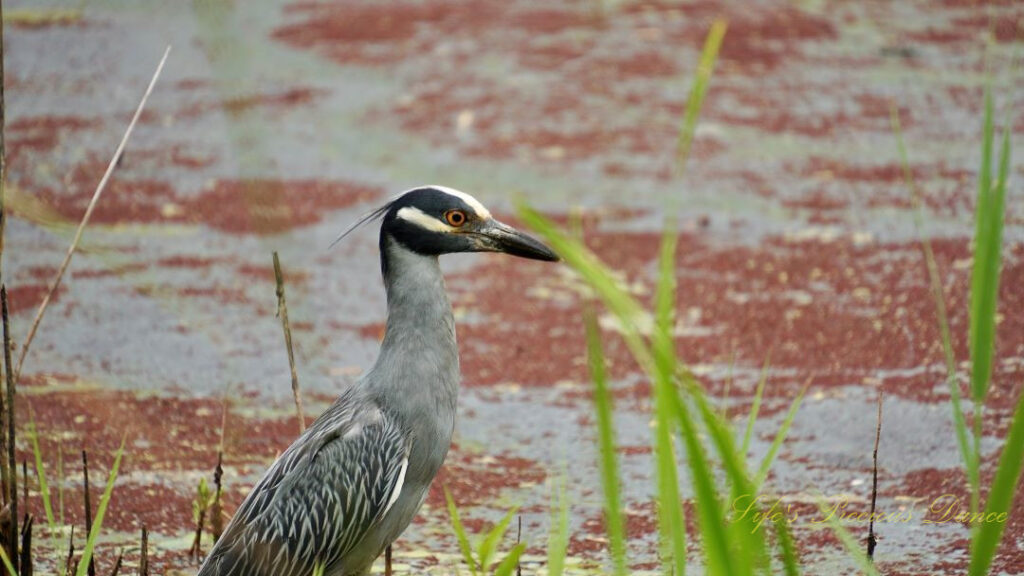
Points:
(117, 563)
(872, 541)
(144, 555)
(88, 507)
(26, 545)
(12, 466)
(282, 312)
(55, 284)
(71, 552)
(216, 511)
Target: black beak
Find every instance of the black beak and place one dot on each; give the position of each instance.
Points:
(493, 236)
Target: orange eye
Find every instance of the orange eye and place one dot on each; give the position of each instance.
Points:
(455, 217)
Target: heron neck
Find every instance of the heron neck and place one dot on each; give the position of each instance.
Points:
(419, 354)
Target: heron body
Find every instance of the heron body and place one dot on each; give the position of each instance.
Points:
(349, 486)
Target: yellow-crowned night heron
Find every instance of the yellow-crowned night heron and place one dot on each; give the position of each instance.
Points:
(353, 481)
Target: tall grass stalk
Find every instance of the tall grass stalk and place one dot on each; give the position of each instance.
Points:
(44, 488)
(852, 545)
(614, 525)
(97, 523)
(960, 428)
(984, 301)
(7, 563)
(755, 407)
(558, 537)
(988, 526)
(702, 80)
(727, 549)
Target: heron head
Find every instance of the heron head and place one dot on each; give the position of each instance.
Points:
(435, 220)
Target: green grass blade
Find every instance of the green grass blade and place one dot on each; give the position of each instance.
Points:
(97, 523)
(672, 524)
(490, 541)
(769, 458)
(614, 524)
(44, 488)
(755, 407)
(625, 308)
(1000, 497)
(787, 547)
(700, 87)
(987, 250)
(7, 563)
(715, 542)
(987, 534)
(508, 566)
(60, 481)
(959, 422)
(558, 537)
(460, 532)
(853, 547)
(746, 537)
(981, 235)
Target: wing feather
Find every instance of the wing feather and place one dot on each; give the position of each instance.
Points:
(317, 501)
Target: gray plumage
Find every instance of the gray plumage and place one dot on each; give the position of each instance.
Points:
(350, 485)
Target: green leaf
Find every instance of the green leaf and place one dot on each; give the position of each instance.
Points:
(745, 538)
(558, 537)
(671, 522)
(959, 422)
(853, 547)
(490, 541)
(788, 552)
(715, 541)
(987, 257)
(769, 458)
(44, 488)
(755, 407)
(614, 524)
(618, 300)
(7, 562)
(97, 523)
(1000, 497)
(460, 532)
(508, 565)
(701, 81)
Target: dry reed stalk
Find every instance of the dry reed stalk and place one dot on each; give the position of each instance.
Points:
(55, 284)
(88, 507)
(282, 312)
(12, 466)
(872, 541)
(144, 555)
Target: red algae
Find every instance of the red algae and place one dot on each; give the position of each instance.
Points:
(259, 206)
(272, 206)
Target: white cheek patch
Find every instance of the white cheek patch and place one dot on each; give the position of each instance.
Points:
(417, 217)
(473, 203)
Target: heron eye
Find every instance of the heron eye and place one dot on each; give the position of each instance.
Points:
(455, 217)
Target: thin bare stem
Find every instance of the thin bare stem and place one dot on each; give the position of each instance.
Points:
(117, 563)
(872, 541)
(71, 551)
(282, 312)
(88, 506)
(85, 218)
(12, 465)
(144, 554)
(26, 545)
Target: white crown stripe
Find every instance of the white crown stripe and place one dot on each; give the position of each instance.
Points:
(417, 217)
(469, 200)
